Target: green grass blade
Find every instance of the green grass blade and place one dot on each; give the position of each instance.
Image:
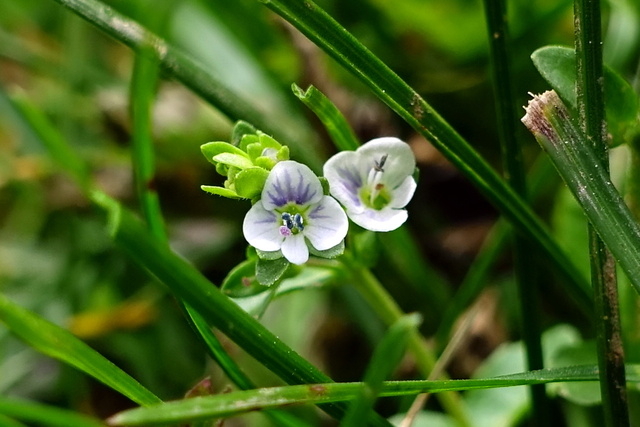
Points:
(243, 401)
(324, 31)
(60, 344)
(514, 167)
(45, 414)
(218, 310)
(590, 100)
(550, 122)
(196, 77)
(334, 122)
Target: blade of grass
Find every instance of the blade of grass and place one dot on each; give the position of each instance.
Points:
(243, 401)
(590, 100)
(45, 414)
(218, 310)
(60, 344)
(525, 269)
(550, 122)
(386, 357)
(335, 40)
(196, 77)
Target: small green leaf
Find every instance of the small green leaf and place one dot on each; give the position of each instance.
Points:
(334, 122)
(250, 182)
(330, 253)
(220, 191)
(557, 65)
(212, 149)
(241, 281)
(240, 162)
(269, 271)
(241, 129)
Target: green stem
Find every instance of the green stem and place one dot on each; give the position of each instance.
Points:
(389, 312)
(590, 97)
(498, 30)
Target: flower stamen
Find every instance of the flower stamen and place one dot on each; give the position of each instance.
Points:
(291, 224)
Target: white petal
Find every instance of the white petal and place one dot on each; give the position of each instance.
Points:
(294, 249)
(403, 194)
(346, 179)
(386, 219)
(261, 228)
(290, 182)
(400, 161)
(327, 224)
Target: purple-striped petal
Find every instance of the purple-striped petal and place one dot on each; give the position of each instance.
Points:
(327, 224)
(290, 182)
(261, 228)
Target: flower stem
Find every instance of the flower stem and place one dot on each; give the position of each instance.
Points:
(389, 311)
(590, 96)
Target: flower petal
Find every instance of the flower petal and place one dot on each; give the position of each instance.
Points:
(346, 178)
(403, 194)
(295, 250)
(290, 182)
(327, 224)
(399, 163)
(261, 229)
(386, 219)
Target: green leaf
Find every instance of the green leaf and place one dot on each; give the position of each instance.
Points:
(235, 403)
(334, 122)
(271, 255)
(235, 160)
(220, 191)
(60, 344)
(269, 271)
(212, 149)
(330, 253)
(45, 414)
(569, 355)
(557, 64)
(241, 281)
(250, 182)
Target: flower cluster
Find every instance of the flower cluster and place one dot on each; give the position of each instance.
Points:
(292, 215)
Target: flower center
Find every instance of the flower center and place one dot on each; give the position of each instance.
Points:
(292, 223)
(375, 194)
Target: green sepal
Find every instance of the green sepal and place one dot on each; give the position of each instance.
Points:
(238, 161)
(212, 149)
(326, 188)
(557, 65)
(268, 255)
(269, 271)
(268, 141)
(250, 182)
(241, 281)
(241, 129)
(330, 253)
(221, 191)
(247, 140)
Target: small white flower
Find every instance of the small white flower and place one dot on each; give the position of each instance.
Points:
(374, 183)
(293, 209)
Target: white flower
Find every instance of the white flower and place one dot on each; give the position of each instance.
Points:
(374, 183)
(294, 209)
